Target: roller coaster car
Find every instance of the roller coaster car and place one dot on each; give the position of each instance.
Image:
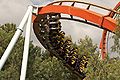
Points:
(58, 44)
(62, 33)
(54, 23)
(55, 27)
(84, 57)
(77, 64)
(83, 62)
(74, 57)
(53, 33)
(58, 37)
(42, 31)
(68, 42)
(54, 16)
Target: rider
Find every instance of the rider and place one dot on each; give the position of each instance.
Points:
(74, 56)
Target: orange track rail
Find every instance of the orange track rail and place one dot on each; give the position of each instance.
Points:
(103, 40)
(102, 20)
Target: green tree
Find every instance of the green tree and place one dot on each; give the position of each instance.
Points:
(10, 70)
(43, 67)
(116, 37)
(40, 65)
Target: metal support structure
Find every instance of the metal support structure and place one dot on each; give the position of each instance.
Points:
(26, 46)
(14, 39)
(103, 45)
(108, 21)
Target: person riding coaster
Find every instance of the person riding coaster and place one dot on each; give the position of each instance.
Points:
(64, 47)
(58, 39)
(54, 16)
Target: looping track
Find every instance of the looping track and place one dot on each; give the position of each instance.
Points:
(47, 29)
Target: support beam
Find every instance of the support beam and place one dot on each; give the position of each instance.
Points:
(26, 46)
(103, 45)
(14, 39)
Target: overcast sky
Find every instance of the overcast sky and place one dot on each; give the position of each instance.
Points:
(13, 11)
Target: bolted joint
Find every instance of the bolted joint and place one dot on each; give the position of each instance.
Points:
(35, 9)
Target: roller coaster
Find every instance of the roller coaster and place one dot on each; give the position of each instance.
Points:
(47, 28)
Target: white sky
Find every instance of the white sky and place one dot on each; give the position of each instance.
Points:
(13, 10)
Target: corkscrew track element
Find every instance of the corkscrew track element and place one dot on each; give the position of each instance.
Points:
(47, 28)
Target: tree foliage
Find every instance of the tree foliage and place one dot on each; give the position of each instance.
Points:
(40, 65)
(116, 37)
(43, 67)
